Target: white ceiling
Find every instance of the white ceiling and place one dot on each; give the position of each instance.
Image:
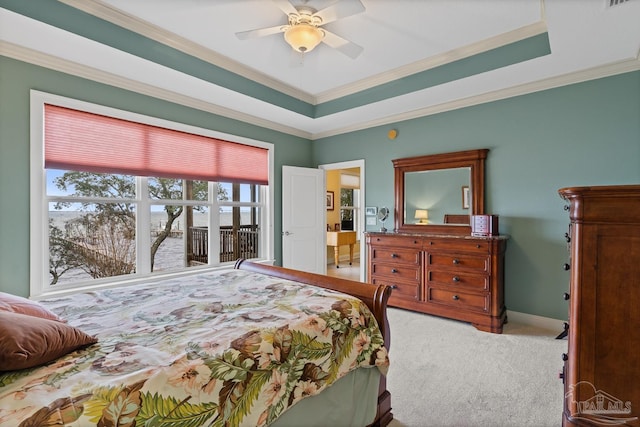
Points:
(588, 39)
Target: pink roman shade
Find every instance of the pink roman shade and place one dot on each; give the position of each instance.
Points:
(77, 140)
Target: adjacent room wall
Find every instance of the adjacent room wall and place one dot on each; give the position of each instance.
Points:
(18, 78)
(582, 134)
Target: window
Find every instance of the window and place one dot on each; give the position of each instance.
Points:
(346, 209)
(349, 197)
(145, 204)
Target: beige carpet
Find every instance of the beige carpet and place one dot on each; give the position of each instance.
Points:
(447, 373)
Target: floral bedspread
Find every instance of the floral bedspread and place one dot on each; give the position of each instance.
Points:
(219, 349)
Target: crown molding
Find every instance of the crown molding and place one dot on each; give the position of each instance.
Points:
(34, 57)
(122, 19)
(118, 17)
(48, 61)
(435, 61)
(607, 70)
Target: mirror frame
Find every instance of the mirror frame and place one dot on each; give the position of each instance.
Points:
(473, 159)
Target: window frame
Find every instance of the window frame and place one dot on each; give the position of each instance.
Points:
(39, 202)
(354, 208)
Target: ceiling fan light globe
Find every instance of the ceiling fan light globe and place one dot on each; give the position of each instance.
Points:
(303, 37)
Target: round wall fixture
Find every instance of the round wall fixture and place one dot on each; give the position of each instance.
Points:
(392, 134)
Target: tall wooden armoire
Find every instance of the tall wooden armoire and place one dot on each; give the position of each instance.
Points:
(602, 367)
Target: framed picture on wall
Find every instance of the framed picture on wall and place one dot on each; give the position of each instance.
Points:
(371, 211)
(329, 200)
(465, 197)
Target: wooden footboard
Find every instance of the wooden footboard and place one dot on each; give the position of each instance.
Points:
(375, 296)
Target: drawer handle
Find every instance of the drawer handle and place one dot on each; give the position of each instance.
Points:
(455, 297)
(394, 256)
(456, 261)
(456, 279)
(394, 286)
(393, 270)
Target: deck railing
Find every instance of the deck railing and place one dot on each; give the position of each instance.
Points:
(234, 243)
(199, 250)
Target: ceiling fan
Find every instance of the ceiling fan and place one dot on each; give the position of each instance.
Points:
(303, 31)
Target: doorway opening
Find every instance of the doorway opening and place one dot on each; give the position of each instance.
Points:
(345, 186)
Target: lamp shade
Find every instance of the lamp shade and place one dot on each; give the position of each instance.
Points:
(422, 215)
(303, 37)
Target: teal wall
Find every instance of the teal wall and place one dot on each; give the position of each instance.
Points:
(582, 134)
(18, 78)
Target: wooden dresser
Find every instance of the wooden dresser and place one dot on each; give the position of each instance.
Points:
(459, 277)
(602, 367)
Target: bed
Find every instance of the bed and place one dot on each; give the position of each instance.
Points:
(251, 346)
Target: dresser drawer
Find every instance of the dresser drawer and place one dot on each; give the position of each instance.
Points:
(461, 244)
(475, 282)
(403, 290)
(397, 241)
(456, 262)
(395, 255)
(463, 300)
(408, 273)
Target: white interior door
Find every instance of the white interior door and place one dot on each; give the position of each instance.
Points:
(304, 237)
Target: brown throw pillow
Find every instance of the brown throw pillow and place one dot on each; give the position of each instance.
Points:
(28, 341)
(16, 304)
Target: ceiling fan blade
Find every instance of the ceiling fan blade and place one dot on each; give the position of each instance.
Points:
(340, 10)
(251, 34)
(286, 7)
(345, 46)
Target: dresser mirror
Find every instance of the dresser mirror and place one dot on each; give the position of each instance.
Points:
(438, 193)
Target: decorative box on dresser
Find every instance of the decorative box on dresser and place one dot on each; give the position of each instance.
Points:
(456, 276)
(601, 373)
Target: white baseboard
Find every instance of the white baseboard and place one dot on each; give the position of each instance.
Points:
(534, 320)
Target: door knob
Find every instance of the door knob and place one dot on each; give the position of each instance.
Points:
(286, 233)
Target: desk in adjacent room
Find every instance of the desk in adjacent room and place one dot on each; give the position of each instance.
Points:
(340, 238)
